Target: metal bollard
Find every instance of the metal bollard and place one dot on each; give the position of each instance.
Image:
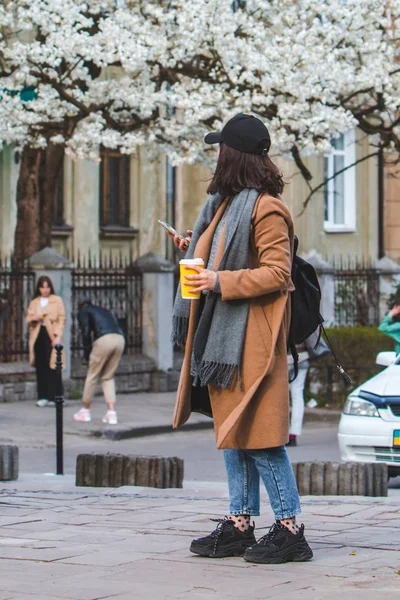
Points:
(59, 400)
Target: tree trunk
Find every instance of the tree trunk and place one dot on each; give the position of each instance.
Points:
(27, 232)
(35, 198)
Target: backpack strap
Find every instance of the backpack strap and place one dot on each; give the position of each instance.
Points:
(346, 377)
(295, 355)
(291, 344)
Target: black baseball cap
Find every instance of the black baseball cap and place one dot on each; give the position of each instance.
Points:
(243, 132)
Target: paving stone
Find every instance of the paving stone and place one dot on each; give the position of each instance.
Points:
(136, 546)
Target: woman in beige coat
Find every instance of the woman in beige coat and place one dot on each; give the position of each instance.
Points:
(235, 337)
(46, 320)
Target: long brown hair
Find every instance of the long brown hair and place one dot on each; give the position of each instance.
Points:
(43, 279)
(238, 170)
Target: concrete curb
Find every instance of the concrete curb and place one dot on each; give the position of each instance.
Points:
(125, 433)
(136, 432)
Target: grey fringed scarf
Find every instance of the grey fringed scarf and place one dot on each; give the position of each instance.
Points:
(219, 338)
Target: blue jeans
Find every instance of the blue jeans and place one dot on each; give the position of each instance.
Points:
(244, 469)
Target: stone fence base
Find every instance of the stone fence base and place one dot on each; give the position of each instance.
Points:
(115, 470)
(135, 373)
(341, 479)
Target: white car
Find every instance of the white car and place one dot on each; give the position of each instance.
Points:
(369, 428)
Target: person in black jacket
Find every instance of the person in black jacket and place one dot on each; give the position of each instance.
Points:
(103, 343)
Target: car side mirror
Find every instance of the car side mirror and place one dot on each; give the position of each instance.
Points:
(384, 359)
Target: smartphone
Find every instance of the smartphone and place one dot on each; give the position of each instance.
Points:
(170, 229)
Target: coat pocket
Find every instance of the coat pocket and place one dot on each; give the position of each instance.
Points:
(263, 327)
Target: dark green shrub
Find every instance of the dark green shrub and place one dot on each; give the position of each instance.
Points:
(356, 348)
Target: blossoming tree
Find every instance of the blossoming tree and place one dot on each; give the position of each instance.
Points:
(75, 74)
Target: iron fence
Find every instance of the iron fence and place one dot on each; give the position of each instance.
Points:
(16, 290)
(115, 284)
(357, 293)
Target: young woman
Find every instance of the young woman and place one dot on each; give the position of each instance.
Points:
(391, 325)
(46, 320)
(235, 365)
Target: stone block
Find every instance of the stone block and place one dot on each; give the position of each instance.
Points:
(9, 458)
(9, 393)
(129, 469)
(380, 479)
(159, 382)
(317, 478)
(85, 470)
(331, 479)
(345, 479)
(369, 479)
(345, 474)
(359, 479)
(304, 478)
(115, 470)
(30, 391)
(142, 470)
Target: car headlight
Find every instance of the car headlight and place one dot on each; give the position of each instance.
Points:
(360, 408)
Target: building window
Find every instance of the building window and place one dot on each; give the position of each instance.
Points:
(340, 192)
(114, 188)
(58, 204)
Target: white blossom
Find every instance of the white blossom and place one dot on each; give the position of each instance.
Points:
(127, 74)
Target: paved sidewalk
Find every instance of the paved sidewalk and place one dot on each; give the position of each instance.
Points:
(62, 542)
(139, 415)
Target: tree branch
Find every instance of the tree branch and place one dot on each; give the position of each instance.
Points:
(323, 184)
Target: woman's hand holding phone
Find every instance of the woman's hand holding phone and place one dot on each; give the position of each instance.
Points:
(182, 243)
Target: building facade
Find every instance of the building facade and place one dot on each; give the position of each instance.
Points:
(112, 206)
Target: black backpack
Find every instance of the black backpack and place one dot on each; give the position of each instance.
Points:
(305, 311)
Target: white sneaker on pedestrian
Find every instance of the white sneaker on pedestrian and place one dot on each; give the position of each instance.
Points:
(42, 403)
(83, 415)
(110, 418)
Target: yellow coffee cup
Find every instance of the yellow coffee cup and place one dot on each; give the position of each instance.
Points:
(186, 268)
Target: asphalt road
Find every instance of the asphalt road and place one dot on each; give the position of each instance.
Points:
(203, 462)
(33, 430)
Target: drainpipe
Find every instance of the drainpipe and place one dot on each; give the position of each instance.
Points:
(170, 207)
(381, 202)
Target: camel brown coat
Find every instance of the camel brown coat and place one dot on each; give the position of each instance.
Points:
(256, 414)
(53, 317)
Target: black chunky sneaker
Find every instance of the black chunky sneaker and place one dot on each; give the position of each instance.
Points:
(280, 546)
(225, 540)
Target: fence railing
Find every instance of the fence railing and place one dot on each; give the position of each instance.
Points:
(16, 290)
(357, 291)
(115, 284)
(112, 282)
(357, 297)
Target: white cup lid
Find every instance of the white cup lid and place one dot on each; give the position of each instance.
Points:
(191, 261)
